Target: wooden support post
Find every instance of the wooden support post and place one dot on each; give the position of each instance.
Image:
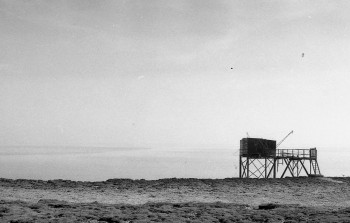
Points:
(265, 168)
(247, 167)
(274, 167)
(286, 168)
(240, 166)
(302, 164)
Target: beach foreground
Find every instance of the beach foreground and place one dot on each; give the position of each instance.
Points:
(177, 200)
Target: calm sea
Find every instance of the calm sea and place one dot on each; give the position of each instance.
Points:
(96, 163)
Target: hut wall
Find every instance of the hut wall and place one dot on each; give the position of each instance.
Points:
(256, 147)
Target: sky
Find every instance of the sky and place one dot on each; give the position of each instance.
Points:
(197, 72)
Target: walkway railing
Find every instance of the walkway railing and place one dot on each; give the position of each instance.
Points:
(297, 153)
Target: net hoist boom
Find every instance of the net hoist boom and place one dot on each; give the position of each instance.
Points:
(280, 142)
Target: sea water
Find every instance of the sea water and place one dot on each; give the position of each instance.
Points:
(102, 163)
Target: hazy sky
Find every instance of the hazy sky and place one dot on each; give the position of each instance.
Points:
(143, 73)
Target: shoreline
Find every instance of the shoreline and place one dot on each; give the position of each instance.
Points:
(176, 199)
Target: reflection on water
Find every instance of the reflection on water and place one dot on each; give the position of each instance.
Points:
(91, 163)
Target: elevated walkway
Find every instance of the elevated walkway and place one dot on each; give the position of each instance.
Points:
(309, 154)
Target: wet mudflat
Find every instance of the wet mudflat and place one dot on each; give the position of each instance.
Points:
(177, 200)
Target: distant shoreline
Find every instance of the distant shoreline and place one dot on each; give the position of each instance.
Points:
(174, 179)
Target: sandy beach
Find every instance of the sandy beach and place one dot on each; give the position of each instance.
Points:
(177, 200)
